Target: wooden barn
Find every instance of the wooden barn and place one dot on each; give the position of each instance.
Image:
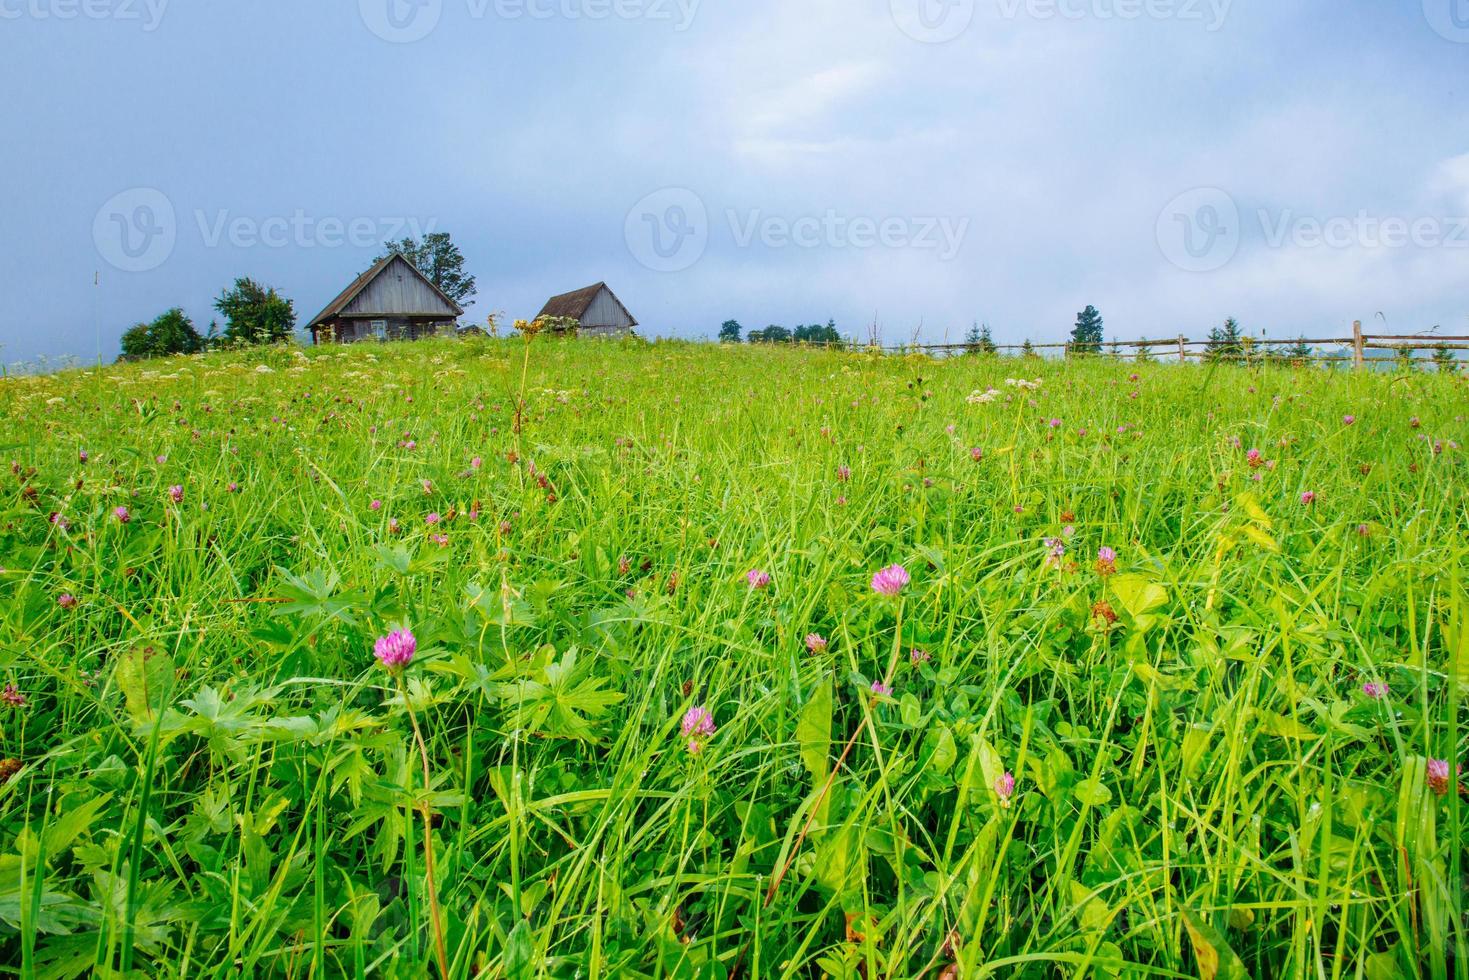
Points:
(390, 301)
(596, 309)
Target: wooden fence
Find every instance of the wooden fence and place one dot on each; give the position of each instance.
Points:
(1247, 350)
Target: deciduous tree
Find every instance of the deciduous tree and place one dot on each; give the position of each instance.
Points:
(439, 259)
(255, 314)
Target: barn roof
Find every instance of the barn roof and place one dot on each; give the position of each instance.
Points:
(347, 295)
(575, 303)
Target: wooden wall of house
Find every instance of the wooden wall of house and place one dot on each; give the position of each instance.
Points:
(397, 290)
(605, 312)
(353, 331)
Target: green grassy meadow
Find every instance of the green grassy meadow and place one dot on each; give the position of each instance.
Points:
(1227, 747)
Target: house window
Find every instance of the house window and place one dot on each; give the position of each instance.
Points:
(380, 329)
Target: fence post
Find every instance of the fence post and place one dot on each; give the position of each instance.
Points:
(1182, 349)
(1359, 356)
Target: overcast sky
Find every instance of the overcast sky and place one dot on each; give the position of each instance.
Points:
(923, 163)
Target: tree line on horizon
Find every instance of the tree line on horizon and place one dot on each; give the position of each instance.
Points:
(814, 333)
(253, 314)
(1226, 342)
(257, 314)
(1086, 336)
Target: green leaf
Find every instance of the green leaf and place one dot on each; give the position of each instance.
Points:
(813, 732)
(519, 952)
(1273, 724)
(1053, 773)
(1216, 960)
(1093, 792)
(393, 558)
(839, 860)
(1456, 634)
(1139, 595)
(1093, 913)
(71, 822)
(145, 676)
(909, 709)
(990, 763)
(945, 754)
(316, 594)
(565, 703)
(1251, 506)
(503, 606)
(1168, 682)
(1260, 537)
(1195, 745)
(1385, 966)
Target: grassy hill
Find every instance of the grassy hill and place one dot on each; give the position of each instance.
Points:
(1176, 678)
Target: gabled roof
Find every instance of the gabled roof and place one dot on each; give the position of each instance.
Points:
(363, 281)
(576, 303)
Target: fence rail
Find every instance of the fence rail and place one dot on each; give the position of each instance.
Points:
(1245, 349)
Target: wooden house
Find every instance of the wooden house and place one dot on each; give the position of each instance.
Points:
(597, 311)
(390, 301)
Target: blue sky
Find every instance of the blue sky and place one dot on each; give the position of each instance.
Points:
(923, 163)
